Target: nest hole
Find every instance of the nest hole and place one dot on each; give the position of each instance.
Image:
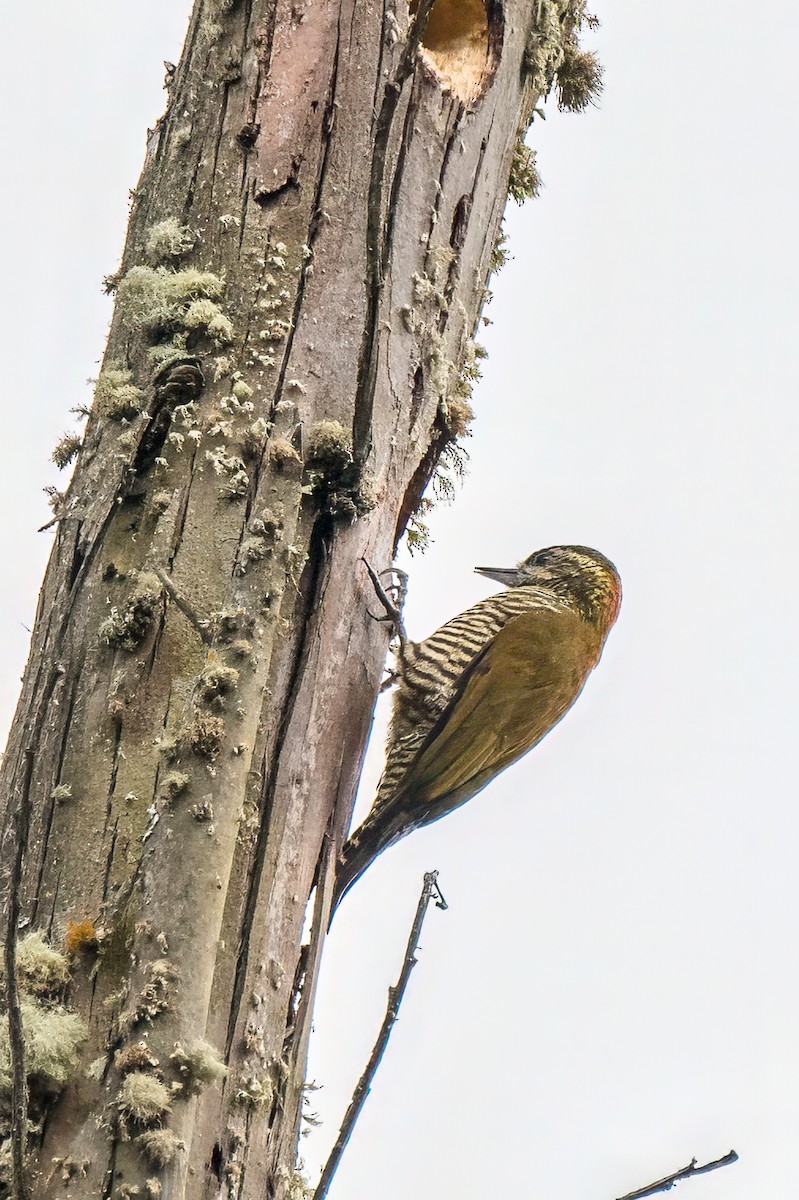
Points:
(461, 43)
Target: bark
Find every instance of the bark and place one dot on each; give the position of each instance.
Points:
(203, 666)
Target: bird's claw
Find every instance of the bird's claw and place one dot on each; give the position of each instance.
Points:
(389, 681)
(391, 597)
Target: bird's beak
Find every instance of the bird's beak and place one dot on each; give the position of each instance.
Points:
(507, 575)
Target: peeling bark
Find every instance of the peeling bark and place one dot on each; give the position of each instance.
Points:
(203, 668)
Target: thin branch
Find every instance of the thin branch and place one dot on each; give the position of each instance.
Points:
(182, 603)
(430, 891)
(19, 1086)
(668, 1182)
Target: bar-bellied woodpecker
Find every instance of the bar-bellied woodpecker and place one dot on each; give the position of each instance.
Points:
(484, 689)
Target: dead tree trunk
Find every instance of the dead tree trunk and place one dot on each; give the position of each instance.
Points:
(290, 356)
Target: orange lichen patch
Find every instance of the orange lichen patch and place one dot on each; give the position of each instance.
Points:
(459, 46)
(81, 937)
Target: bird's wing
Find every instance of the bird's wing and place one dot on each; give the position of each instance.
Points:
(514, 691)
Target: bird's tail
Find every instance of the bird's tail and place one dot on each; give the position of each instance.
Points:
(381, 829)
(355, 857)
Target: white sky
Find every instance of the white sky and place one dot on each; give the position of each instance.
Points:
(615, 986)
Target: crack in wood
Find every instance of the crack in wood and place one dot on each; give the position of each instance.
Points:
(309, 599)
(49, 810)
(328, 127)
(378, 251)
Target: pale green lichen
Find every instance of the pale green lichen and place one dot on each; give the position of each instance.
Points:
(252, 440)
(126, 627)
(499, 252)
(255, 1093)
(155, 996)
(454, 419)
(168, 240)
(544, 50)
(159, 1146)
(202, 812)
(207, 734)
(163, 353)
(274, 330)
(251, 550)
(241, 390)
(61, 793)
(417, 532)
(342, 488)
(438, 264)
(199, 1066)
(43, 971)
(156, 300)
(136, 1057)
(271, 523)
(524, 182)
(54, 499)
(208, 316)
(237, 482)
(295, 1184)
(52, 1040)
(553, 40)
(282, 454)
(425, 291)
(227, 622)
(449, 471)
(217, 680)
(160, 501)
(459, 415)
(116, 395)
(438, 363)
(237, 485)
(65, 450)
(459, 410)
(578, 79)
(142, 1099)
(329, 446)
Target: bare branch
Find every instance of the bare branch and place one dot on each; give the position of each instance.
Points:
(430, 891)
(668, 1182)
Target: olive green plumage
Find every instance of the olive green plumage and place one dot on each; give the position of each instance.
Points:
(484, 689)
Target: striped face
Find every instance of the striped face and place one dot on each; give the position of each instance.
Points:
(581, 576)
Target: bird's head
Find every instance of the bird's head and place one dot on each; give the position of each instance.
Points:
(578, 574)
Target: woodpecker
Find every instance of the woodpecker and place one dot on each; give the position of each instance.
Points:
(483, 690)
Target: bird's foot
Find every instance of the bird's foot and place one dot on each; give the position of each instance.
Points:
(392, 596)
(390, 679)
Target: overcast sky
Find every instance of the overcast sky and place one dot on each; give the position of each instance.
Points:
(615, 986)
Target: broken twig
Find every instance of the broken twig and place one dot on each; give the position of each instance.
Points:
(430, 891)
(182, 603)
(668, 1182)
